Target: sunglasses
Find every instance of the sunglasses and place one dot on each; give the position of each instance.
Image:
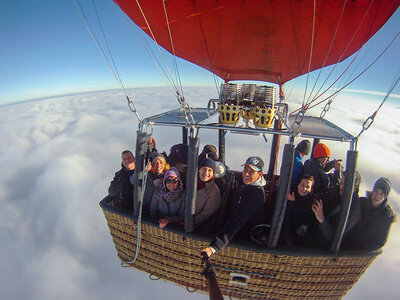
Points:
(174, 181)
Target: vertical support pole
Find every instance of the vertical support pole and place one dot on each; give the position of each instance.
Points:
(141, 144)
(221, 145)
(281, 199)
(191, 183)
(274, 152)
(315, 142)
(351, 165)
(184, 136)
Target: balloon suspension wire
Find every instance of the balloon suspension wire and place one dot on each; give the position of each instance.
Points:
(368, 122)
(328, 53)
(306, 106)
(215, 77)
(159, 49)
(360, 74)
(344, 81)
(337, 62)
(115, 72)
(139, 220)
(311, 51)
(178, 77)
(151, 54)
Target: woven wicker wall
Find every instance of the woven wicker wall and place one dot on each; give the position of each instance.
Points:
(174, 257)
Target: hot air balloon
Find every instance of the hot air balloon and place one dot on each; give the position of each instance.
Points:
(266, 41)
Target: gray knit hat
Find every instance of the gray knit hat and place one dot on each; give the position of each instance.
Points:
(384, 185)
(304, 147)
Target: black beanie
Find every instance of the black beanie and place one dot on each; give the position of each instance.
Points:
(384, 185)
(304, 147)
(207, 162)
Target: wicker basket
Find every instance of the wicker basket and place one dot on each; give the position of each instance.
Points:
(242, 271)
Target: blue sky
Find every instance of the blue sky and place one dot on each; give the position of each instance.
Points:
(46, 50)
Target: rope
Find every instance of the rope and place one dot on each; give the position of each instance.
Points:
(329, 50)
(311, 52)
(151, 54)
(81, 13)
(158, 47)
(190, 290)
(344, 51)
(368, 122)
(178, 77)
(361, 73)
(139, 221)
(185, 106)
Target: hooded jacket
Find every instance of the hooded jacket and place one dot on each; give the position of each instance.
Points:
(372, 231)
(246, 211)
(168, 204)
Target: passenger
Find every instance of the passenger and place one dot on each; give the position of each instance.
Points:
(178, 158)
(151, 149)
(298, 215)
(246, 209)
(168, 202)
(209, 151)
(315, 167)
(208, 198)
(154, 178)
(120, 188)
(327, 212)
(377, 216)
(302, 149)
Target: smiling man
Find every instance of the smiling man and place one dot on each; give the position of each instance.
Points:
(246, 209)
(120, 188)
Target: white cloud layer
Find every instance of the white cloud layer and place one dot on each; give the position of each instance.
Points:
(58, 156)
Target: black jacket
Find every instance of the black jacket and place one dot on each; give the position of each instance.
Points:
(372, 231)
(246, 210)
(321, 179)
(121, 189)
(322, 234)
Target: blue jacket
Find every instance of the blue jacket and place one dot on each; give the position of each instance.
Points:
(297, 170)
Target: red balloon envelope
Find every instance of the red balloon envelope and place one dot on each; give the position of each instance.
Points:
(267, 40)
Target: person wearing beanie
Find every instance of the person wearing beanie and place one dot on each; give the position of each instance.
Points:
(246, 209)
(377, 216)
(168, 201)
(302, 149)
(208, 197)
(154, 179)
(209, 151)
(316, 168)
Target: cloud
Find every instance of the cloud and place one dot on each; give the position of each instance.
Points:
(374, 93)
(59, 155)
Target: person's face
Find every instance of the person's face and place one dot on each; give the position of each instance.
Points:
(304, 187)
(171, 183)
(128, 161)
(323, 160)
(249, 175)
(205, 174)
(377, 197)
(159, 165)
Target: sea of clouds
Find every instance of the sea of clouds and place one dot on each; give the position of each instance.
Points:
(58, 156)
